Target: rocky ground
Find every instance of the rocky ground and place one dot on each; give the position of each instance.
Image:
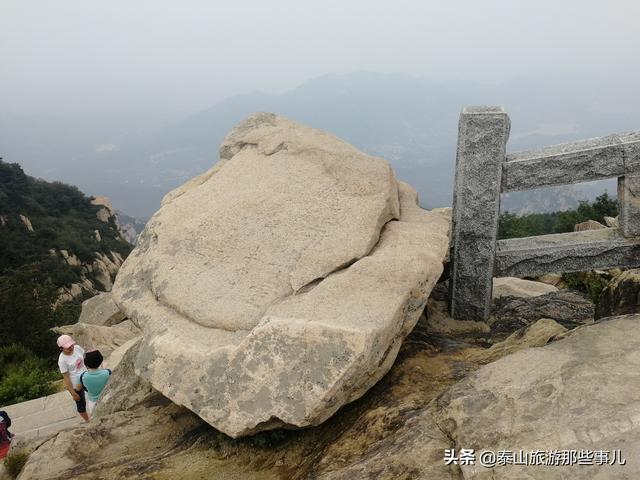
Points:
(453, 385)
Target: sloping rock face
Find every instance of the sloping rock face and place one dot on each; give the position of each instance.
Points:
(580, 393)
(100, 310)
(143, 432)
(278, 286)
(125, 390)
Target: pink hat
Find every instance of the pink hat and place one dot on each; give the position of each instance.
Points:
(65, 341)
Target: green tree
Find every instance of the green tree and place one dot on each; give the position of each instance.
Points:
(514, 226)
(26, 297)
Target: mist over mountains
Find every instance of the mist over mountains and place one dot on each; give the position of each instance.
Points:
(410, 121)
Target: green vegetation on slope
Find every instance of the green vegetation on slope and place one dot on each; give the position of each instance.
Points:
(24, 376)
(14, 462)
(61, 215)
(513, 226)
(63, 218)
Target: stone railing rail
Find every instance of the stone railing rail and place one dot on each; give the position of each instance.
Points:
(484, 170)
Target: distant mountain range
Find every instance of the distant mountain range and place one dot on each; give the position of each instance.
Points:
(410, 121)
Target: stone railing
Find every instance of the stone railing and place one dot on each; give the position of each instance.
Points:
(484, 171)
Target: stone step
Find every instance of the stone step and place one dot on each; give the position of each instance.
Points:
(43, 416)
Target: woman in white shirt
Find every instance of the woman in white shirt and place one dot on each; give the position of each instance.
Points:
(71, 364)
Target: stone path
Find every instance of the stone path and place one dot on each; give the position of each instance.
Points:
(41, 417)
(38, 418)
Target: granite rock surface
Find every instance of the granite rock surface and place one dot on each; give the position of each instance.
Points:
(578, 393)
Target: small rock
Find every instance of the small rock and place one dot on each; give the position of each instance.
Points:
(612, 222)
(588, 225)
(535, 335)
(26, 222)
(517, 287)
(554, 279)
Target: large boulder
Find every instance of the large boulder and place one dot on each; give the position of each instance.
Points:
(278, 286)
(621, 296)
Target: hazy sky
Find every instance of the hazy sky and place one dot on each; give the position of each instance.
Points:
(89, 57)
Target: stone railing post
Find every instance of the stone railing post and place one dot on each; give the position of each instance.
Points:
(482, 137)
(629, 187)
(629, 205)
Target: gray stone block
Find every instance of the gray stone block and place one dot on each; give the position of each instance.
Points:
(629, 205)
(482, 138)
(582, 161)
(565, 252)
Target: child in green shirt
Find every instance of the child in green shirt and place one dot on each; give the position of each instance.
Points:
(95, 378)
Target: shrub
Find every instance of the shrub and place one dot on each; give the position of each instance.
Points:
(14, 463)
(26, 380)
(14, 353)
(591, 283)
